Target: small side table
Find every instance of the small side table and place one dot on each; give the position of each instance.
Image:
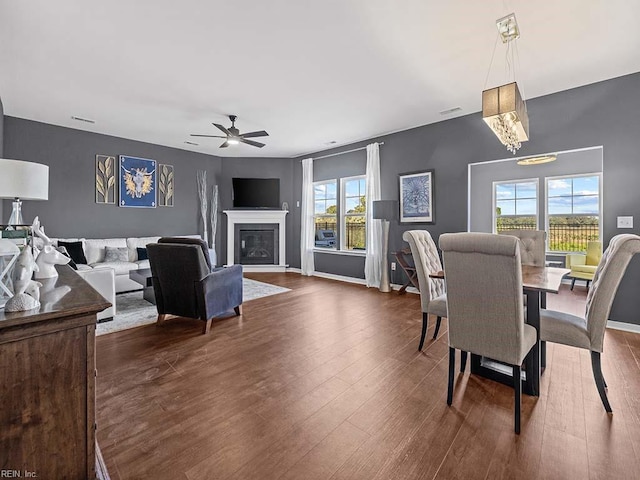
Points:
(401, 257)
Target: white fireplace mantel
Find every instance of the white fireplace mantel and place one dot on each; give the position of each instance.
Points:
(257, 217)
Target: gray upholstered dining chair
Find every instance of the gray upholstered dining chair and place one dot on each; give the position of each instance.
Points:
(532, 246)
(433, 298)
(186, 285)
(484, 299)
(588, 332)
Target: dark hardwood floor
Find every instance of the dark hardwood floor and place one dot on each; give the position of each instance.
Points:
(325, 382)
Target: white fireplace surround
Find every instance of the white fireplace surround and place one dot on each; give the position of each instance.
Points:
(257, 217)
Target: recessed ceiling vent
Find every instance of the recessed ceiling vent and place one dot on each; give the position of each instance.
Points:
(80, 119)
(450, 111)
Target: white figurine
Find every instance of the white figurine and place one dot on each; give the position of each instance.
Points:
(47, 259)
(25, 290)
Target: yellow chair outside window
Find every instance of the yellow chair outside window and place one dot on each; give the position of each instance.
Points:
(583, 266)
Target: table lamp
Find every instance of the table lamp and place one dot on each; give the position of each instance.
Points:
(385, 210)
(21, 180)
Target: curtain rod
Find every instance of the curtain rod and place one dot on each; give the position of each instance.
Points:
(340, 153)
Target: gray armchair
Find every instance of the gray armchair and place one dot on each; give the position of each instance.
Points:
(588, 332)
(484, 299)
(433, 298)
(185, 284)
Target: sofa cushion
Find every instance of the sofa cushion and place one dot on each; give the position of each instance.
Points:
(75, 251)
(115, 254)
(142, 253)
(138, 242)
(94, 248)
(584, 268)
(120, 268)
(82, 268)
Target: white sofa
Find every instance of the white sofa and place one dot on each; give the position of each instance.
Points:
(103, 281)
(95, 249)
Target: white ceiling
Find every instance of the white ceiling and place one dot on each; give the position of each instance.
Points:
(308, 72)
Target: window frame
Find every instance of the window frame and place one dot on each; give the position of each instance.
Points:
(547, 216)
(344, 214)
(335, 182)
(536, 180)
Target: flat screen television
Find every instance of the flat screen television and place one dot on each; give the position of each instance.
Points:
(256, 192)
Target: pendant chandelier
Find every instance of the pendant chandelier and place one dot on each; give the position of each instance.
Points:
(503, 108)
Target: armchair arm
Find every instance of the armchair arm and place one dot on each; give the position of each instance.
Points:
(573, 259)
(220, 291)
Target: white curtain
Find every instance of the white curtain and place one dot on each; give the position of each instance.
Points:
(308, 229)
(373, 262)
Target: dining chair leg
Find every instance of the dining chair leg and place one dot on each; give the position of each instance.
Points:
(425, 323)
(517, 386)
(438, 320)
(573, 282)
(596, 366)
(463, 360)
(588, 282)
(452, 367)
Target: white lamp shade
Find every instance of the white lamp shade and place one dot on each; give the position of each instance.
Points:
(23, 180)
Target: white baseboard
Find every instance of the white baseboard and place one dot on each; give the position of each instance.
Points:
(340, 278)
(294, 270)
(627, 327)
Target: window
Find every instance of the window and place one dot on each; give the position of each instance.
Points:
(325, 213)
(515, 205)
(573, 212)
(352, 231)
(354, 207)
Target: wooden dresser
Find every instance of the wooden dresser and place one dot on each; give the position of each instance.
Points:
(47, 382)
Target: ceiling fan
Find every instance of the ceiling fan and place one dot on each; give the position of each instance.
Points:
(233, 135)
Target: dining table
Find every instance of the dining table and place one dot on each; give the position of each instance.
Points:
(536, 283)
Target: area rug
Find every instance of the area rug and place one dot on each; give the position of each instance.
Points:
(135, 311)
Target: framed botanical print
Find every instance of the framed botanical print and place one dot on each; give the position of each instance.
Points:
(416, 197)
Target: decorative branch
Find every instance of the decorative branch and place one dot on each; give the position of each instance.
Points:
(201, 177)
(214, 214)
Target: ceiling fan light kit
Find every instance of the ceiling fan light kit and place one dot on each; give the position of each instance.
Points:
(233, 135)
(503, 108)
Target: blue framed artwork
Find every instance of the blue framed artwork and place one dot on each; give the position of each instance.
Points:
(416, 197)
(137, 182)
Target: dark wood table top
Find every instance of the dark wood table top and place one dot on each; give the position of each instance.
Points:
(68, 294)
(543, 279)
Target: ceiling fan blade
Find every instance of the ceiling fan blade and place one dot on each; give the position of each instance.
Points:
(261, 133)
(224, 145)
(252, 143)
(220, 127)
(210, 136)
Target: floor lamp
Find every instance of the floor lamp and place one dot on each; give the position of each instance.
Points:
(385, 210)
(22, 181)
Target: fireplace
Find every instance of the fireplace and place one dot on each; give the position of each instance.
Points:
(257, 244)
(261, 245)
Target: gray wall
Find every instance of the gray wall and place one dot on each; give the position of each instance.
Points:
(604, 114)
(71, 210)
(483, 175)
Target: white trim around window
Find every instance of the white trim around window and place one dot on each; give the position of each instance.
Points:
(344, 214)
(494, 219)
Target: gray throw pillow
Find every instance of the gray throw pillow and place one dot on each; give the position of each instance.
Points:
(116, 254)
